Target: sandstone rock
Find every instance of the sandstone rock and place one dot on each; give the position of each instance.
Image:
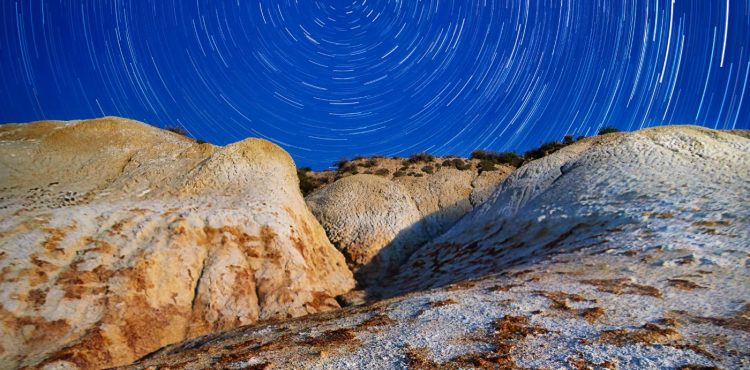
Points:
(117, 238)
(377, 227)
(372, 220)
(624, 251)
(377, 223)
(590, 192)
(442, 198)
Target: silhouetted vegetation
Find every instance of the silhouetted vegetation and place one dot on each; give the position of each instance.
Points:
(341, 163)
(181, 131)
(177, 130)
(510, 158)
(608, 130)
(543, 150)
(306, 183)
(485, 165)
(419, 164)
(420, 157)
(456, 163)
(372, 162)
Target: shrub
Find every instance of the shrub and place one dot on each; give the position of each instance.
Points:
(177, 130)
(568, 139)
(399, 174)
(428, 169)
(420, 157)
(608, 130)
(341, 163)
(370, 163)
(306, 183)
(382, 172)
(485, 165)
(460, 164)
(510, 158)
(543, 150)
(447, 163)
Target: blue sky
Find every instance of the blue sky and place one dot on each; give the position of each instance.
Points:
(333, 79)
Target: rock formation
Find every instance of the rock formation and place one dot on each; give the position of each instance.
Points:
(624, 251)
(377, 223)
(365, 213)
(117, 238)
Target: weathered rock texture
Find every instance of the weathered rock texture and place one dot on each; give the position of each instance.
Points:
(377, 223)
(654, 187)
(117, 238)
(625, 251)
(365, 213)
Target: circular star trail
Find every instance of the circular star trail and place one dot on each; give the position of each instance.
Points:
(330, 79)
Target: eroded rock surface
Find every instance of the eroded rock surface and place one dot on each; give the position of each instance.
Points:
(117, 238)
(379, 221)
(363, 215)
(624, 251)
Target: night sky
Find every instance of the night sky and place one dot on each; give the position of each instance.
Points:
(332, 79)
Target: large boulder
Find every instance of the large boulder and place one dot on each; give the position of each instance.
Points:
(626, 251)
(117, 238)
(372, 221)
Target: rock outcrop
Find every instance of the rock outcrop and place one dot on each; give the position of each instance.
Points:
(117, 238)
(363, 215)
(378, 222)
(622, 251)
(651, 187)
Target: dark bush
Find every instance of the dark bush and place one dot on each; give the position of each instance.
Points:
(199, 141)
(460, 164)
(568, 139)
(608, 130)
(341, 163)
(369, 163)
(177, 130)
(399, 174)
(420, 157)
(543, 150)
(485, 165)
(510, 158)
(306, 183)
(428, 169)
(382, 172)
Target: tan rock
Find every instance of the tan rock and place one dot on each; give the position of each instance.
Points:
(372, 220)
(117, 238)
(378, 222)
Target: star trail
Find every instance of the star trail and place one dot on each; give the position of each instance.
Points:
(332, 79)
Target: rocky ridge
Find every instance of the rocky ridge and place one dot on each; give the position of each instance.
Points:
(624, 251)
